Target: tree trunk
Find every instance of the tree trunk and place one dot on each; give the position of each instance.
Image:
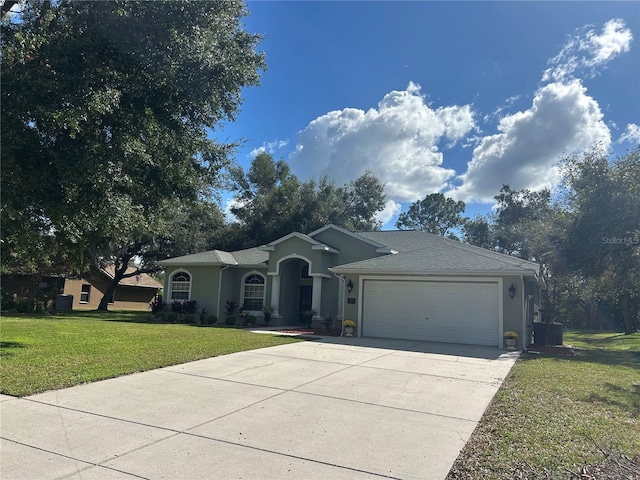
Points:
(111, 288)
(626, 313)
(104, 302)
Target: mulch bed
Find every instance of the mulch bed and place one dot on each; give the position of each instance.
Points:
(566, 350)
(312, 331)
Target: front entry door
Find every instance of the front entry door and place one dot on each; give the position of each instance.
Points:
(304, 302)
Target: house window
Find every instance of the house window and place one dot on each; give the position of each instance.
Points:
(304, 271)
(180, 286)
(85, 293)
(253, 298)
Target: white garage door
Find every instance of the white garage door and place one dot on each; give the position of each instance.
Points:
(452, 312)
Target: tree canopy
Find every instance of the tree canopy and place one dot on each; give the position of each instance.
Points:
(106, 114)
(270, 202)
(435, 214)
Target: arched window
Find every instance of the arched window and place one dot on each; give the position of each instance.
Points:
(253, 292)
(180, 286)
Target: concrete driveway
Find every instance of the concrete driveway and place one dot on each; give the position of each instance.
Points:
(335, 408)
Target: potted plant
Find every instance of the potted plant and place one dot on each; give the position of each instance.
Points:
(348, 325)
(267, 312)
(308, 315)
(510, 338)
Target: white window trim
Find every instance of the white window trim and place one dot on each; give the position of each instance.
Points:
(264, 293)
(170, 284)
(88, 300)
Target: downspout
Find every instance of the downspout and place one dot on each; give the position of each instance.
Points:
(218, 313)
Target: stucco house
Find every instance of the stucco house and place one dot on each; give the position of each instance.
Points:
(132, 293)
(394, 284)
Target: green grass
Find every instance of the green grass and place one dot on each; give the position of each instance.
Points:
(45, 352)
(551, 412)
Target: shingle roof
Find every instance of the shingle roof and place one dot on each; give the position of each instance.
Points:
(400, 240)
(211, 257)
(249, 256)
(140, 280)
(435, 254)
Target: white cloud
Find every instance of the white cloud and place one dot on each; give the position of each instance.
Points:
(631, 134)
(398, 142)
(269, 147)
(586, 50)
(562, 120)
(390, 211)
(228, 205)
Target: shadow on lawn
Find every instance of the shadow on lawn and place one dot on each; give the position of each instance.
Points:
(627, 399)
(623, 396)
(627, 358)
(7, 347)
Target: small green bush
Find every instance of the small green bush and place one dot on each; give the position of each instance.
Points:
(211, 320)
(172, 317)
(24, 305)
(230, 320)
(8, 302)
(250, 320)
(189, 319)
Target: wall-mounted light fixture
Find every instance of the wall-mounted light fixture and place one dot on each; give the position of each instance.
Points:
(349, 286)
(512, 290)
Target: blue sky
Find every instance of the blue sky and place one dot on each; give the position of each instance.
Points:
(451, 97)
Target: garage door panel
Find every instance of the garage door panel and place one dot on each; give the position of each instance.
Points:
(458, 312)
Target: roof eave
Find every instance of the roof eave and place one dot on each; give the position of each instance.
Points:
(168, 263)
(325, 248)
(398, 271)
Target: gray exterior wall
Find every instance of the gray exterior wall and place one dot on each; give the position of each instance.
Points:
(296, 247)
(351, 249)
(204, 285)
(232, 288)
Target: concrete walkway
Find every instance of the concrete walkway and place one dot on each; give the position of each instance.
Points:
(335, 408)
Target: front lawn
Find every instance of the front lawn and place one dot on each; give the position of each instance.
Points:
(45, 352)
(553, 415)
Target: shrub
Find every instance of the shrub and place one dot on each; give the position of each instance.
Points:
(230, 307)
(190, 306)
(267, 311)
(250, 320)
(24, 305)
(157, 305)
(177, 306)
(8, 302)
(172, 317)
(211, 320)
(230, 320)
(189, 318)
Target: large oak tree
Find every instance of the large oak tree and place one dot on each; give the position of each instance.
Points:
(107, 114)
